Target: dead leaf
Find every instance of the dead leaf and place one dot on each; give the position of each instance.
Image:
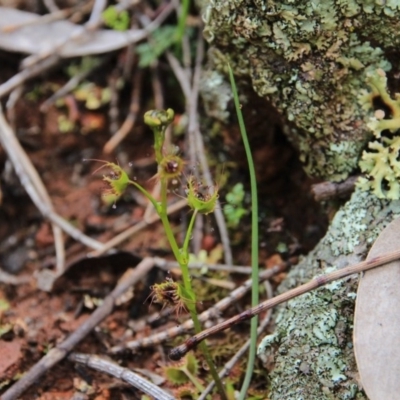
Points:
(377, 321)
(23, 32)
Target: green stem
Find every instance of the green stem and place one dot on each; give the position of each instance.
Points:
(194, 380)
(162, 212)
(254, 240)
(182, 20)
(147, 194)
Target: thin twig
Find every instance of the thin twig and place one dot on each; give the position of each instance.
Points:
(130, 120)
(27, 73)
(56, 354)
(178, 352)
(327, 190)
(10, 279)
(214, 311)
(39, 63)
(239, 354)
(125, 374)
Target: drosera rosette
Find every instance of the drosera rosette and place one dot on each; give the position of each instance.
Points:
(381, 161)
(183, 373)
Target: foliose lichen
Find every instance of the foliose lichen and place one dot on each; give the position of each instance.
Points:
(381, 162)
(311, 346)
(309, 58)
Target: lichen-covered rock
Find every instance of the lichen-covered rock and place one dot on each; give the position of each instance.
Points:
(312, 345)
(381, 162)
(310, 58)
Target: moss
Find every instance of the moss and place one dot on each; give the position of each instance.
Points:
(312, 345)
(309, 58)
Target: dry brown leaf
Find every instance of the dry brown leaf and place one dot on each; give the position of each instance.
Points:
(377, 321)
(33, 37)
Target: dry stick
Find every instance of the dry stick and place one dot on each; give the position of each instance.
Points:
(214, 311)
(58, 353)
(130, 120)
(116, 240)
(328, 190)
(178, 352)
(239, 354)
(31, 181)
(125, 374)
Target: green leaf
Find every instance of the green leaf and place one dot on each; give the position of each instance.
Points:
(160, 41)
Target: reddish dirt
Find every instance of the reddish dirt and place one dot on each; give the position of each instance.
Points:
(35, 321)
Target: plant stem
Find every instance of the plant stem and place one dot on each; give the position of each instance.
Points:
(192, 306)
(254, 240)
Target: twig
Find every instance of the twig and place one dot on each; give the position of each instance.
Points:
(130, 120)
(239, 354)
(58, 353)
(27, 73)
(41, 62)
(328, 190)
(12, 279)
(216, 310)
(116, 240)
(125, 374)
(178, 352)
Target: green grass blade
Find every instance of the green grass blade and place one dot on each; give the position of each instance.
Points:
(254, 239)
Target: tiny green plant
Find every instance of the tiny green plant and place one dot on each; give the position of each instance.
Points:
(254, 237)
(201, 199)
(233, 209)
(114, 19)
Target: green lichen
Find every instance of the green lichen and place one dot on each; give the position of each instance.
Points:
(309, 58)
(381, 162)
(312, 344)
